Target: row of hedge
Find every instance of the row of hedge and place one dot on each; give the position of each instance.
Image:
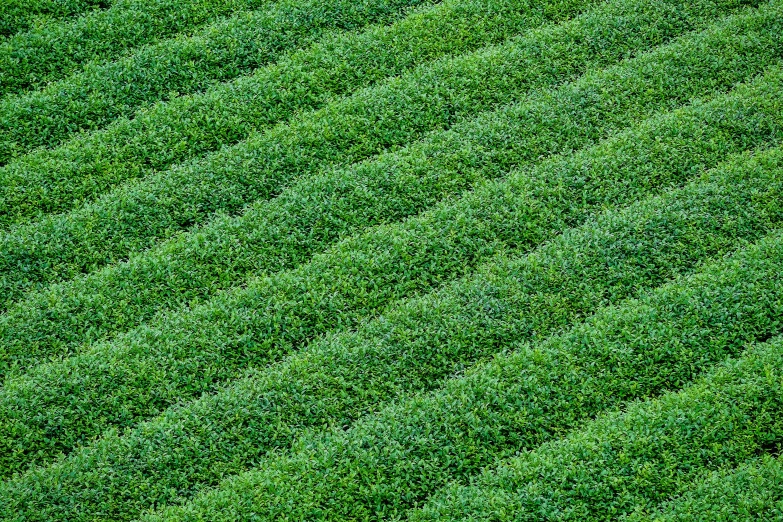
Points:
(752, 492)
(314, 213)
(186, 353)
(631, 461)
(383, 464)
(567, 118)
(336, 64)
(415, 345)
(54, 49)
(18, 15)
(386, 115)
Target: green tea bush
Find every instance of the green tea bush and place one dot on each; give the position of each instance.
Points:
(417, 342)
(752, 492)
(629, 461)
(681, 329)
(520, 210)
(550, 121)
(18, 15)
(335, 65)
(391, 259)
(52, 51)
(396, 457)
(430, 97)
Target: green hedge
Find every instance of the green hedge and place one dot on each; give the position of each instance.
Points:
(18, 15)
(568, 118)
(55, 49)
(389, 255)
(628, 462)
(335, 65)
(312, 214)
(465, 266)
(682, 328)
(183, 354)
(432, 96)
(753, 492)
(416, 344)
(395, 458)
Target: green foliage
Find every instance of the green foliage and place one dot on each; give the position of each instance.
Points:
(627, 462)
(137, 216)
(395, 112)
(752, 492)
(52, 51)
(186, 353)
(391, 259)
(528, 207)
(306, 78)
(391, 460)
(414, 345)
(18, 15)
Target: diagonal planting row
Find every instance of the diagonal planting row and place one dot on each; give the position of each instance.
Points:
(741, 203)
(334, 66)
(632, 461)
(753, 492)
(66, 245)
(18, 15)
(383, 452)
(530, 206)
(184, 128)
(620, 464)
(522, 211)
(37, 332)
(549, 122)
(433, 96)
(51, 51)
(413, 347)
(393, 459)
(186, 353)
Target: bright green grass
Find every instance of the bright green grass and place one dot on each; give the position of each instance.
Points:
(681, 329)
(189, 352)
(394, 459)
(432, 96)
(307, 78)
